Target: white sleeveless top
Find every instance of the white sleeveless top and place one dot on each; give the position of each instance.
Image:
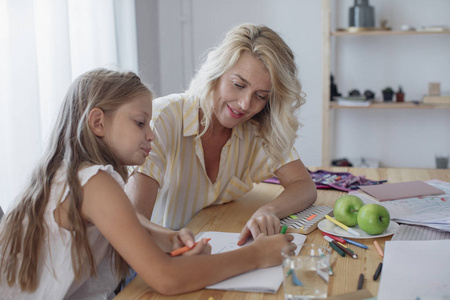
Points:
(55, 272)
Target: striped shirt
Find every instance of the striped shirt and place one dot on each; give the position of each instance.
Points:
(176, 162)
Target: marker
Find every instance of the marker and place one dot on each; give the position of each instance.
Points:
(342, 225)
(337, 249)
(377, 272)
(340, 240)
(283, 230)
(346, 250)
(184, 249)
(360, 281)
(355, 243)
(379, 250)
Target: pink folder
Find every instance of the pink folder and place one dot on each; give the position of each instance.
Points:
(401, 190)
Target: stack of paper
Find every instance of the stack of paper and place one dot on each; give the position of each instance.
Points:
(430, 211)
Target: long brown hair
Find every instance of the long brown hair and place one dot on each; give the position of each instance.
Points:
(72, 144)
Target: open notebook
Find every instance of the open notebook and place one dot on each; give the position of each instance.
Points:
(266, 280)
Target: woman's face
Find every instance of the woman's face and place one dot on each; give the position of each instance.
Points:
(241, 92)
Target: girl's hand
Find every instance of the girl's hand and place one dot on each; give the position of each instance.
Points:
(269, 248)
(185, 237)
(201, 248)
(262, 222)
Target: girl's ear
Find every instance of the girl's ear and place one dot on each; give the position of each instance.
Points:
(96, 120)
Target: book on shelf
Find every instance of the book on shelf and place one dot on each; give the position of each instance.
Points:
(442, 99)
(353, 101)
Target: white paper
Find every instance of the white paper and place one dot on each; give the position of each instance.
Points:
(266, 280)
(415, 270)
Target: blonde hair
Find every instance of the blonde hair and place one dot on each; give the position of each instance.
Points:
(277, 123)
(72, 144)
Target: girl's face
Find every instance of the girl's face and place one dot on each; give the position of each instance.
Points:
(241, 92)
(128, 132)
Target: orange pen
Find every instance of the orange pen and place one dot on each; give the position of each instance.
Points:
(184, 249)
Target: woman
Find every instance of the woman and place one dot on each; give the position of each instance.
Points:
(236, 125)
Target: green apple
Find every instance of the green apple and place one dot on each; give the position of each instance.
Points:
(346, 209)
(373, 218)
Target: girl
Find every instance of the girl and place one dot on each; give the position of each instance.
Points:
(55, 243)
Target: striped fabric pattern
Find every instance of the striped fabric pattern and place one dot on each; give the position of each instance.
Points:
(176, 162)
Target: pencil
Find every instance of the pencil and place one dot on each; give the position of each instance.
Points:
(379, 250)
(337, 249)
(342, 226)
(184, 249)
(360, 281)
(377, 272)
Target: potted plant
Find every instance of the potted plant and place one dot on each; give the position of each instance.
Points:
(388, 94)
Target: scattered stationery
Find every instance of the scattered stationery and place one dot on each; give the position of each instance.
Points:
(342, 225)
(266, 280)
(416, 232)
(415, 270)
(401, 190)
(378, 248)
(306, 220)
(184, 249)
(360, 281)
(283, 230)
(377, 271)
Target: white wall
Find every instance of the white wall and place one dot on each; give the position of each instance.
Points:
(399, 138)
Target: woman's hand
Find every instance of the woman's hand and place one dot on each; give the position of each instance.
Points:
(262, 222)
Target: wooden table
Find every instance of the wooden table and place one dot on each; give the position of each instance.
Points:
(232, 217)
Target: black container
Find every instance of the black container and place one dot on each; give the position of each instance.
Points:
(361, 14)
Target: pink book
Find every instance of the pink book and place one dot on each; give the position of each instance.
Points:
(401, 190)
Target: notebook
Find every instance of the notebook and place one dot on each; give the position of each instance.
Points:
(266, 280)
(400, 190)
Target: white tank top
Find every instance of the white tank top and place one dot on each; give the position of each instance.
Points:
(55, 272)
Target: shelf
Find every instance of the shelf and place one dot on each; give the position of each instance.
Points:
(386, 32)
(392, 105)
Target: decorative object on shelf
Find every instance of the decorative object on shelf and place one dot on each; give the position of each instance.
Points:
(354, 93)
(388, 94)
(333, 89)
(400, 95)
(369, 94)
(434, 88)
(361, 14)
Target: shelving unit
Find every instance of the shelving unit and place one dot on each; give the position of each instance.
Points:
(327, 105)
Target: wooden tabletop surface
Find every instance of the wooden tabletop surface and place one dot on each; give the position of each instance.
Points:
(231, 217)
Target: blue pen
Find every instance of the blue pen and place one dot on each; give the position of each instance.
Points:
(355, 243)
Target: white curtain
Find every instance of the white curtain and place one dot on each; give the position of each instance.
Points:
(44, 46)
